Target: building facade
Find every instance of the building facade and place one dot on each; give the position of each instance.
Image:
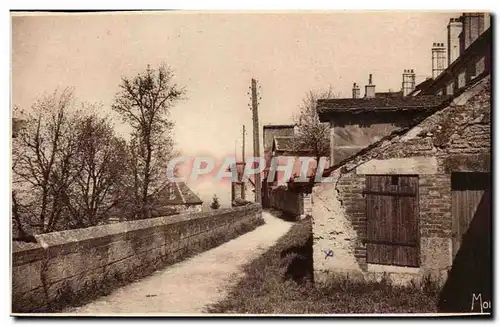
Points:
(408, 175)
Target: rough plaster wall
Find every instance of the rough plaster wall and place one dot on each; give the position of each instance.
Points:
(333, 231)
(361, 136)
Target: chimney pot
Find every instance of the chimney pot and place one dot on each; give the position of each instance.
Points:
(355, 91)
(370, 88)
(408, 84)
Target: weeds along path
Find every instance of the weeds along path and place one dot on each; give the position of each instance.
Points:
(191, 285)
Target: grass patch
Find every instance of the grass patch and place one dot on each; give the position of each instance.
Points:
(281, 282)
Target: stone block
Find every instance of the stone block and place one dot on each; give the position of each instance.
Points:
(410, 165)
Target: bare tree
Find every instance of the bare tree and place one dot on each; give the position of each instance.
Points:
(144, 102)
(68, 167)
(99, 165)
(312, 134)
(42, 151)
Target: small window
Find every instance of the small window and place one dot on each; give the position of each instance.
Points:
(394, 180)
(449, 88)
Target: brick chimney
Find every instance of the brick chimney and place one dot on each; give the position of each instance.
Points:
(408, 81)
(370, 88)
(356, 93)
(454, 30)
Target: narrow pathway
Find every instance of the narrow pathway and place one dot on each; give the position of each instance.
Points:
(191, 285)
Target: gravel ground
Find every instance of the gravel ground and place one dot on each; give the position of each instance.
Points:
(189, 286)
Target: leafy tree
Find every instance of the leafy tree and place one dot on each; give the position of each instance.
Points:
(215, 202)
(144, 102)
(312, 134)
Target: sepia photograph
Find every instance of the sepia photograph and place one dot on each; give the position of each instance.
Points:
(251, 163)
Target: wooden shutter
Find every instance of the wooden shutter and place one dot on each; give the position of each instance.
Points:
(392, 220)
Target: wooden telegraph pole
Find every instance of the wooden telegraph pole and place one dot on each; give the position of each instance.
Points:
(256, 151)
(233, 184)
(243, 186)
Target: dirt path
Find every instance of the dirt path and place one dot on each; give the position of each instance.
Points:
(191, 285)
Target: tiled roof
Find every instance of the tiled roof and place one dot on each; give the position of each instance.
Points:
(423, 85)
(388, 94)
(382, 104)
(279, 126)
(177, 193)
(189, 196)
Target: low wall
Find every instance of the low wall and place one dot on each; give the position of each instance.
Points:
(64, 267)
(292, 203)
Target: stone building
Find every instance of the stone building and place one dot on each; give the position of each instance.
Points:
(407, 174)
(268, 135)
(279, 145)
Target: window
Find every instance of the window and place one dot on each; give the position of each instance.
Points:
(461, 79)
(449, 88)
(480, 66)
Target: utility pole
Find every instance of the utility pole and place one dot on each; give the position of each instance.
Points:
(256, 151)
(233, 171)
(243, 186)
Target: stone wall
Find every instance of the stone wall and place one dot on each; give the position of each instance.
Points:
(78, 262)
(455, 139)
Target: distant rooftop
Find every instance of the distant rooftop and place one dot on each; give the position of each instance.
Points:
(285, 144)
(177, 193)
(279, 126)
(379, 104)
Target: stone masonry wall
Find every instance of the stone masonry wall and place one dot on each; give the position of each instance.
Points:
(454, 139)
(69, 263)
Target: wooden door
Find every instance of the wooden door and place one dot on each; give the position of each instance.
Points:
(467, 190)
(392, 220)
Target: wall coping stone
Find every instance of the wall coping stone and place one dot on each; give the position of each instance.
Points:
(111, 231)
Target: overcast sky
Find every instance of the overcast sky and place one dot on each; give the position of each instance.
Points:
(215, 56)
